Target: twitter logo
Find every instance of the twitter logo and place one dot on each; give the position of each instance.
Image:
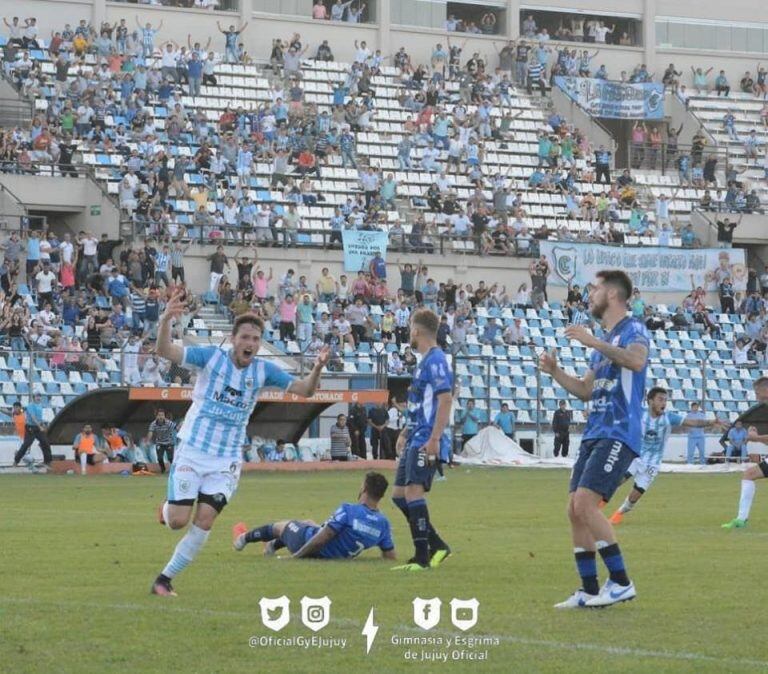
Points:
(275, 613)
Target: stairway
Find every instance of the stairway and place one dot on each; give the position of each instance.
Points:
(214, 320)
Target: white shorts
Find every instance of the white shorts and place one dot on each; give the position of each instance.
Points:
(643, 473)
(193, 473)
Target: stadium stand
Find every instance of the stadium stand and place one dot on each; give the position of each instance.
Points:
(498, 172)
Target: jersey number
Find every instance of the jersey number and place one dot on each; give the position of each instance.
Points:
(355, 553)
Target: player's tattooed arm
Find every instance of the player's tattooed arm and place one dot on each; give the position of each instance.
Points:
(315, 543)
(633, 357)
(579, 387)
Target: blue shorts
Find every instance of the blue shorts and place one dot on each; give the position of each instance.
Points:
(413, 468)
(601, 465)
(296, 533)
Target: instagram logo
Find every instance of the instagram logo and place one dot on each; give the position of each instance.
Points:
(315, 612)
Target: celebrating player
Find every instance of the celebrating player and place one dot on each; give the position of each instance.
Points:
(614, 382)
(419, 443)
(354, 527)
(754, 472)
(207, 464)
(657, 425)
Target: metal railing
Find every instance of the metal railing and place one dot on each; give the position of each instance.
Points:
(664, 157)
(304, 237)
(493, 391)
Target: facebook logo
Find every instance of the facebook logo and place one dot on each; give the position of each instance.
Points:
(426, 612)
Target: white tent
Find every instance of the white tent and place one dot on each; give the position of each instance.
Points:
(490, 447)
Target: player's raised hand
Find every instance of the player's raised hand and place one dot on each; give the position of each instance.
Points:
(548, 362)
(323, 356)
(175, 306)
(580, 334)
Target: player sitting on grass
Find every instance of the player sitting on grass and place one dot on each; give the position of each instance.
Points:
(657, 425)
(354, 527)
(754, 472)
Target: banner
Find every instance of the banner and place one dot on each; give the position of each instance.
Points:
(650, 268)
(615, 100)
(376, 396)
(360, 247)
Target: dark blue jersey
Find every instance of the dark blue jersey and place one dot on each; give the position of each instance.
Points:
(357, 528)
(617, 392)
(431, 378)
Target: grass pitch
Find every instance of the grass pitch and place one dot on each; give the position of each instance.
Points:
(79, 554)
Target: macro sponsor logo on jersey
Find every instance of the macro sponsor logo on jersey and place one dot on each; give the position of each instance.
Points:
(230, 396)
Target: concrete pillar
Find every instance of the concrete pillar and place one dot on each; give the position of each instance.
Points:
(98, 14)
(649, 35)
(513, 19)
(384, 16)
(246, 11)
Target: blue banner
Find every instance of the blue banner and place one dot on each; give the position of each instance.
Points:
(360, 247)
(614, 100)
(651, 268)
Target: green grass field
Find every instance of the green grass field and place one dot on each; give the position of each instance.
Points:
(78, 556)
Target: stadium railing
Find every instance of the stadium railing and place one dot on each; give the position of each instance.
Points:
(664, 158)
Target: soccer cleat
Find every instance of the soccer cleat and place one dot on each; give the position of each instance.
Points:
(578, 599)
(612, 593)
(410, 566)
(735, 523)
(238, 536)
(439, 556)
(269, 549)
(616, 518)
(162, 587)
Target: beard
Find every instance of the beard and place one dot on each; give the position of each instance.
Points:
(597, 310)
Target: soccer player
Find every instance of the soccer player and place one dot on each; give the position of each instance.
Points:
(354, 527)
(614, 383)
(657, 425)
(754, 472)
(422, 440)
(206, 468)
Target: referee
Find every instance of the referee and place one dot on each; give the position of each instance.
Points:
(161, 432)
(34, 429)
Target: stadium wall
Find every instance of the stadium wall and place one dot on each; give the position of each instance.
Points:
(509, 271)
(388, 36)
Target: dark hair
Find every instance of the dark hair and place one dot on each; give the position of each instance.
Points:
(760, 381)
(656, 390)
(426, 319)
(375, 485)
(618, 279)
(247, 319)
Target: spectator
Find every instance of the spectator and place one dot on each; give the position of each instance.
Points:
(378, 419)
(469, 421)
(505, 421)
(341, 444)
(561, 427)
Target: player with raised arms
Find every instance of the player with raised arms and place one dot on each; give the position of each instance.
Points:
(354, 527)
(615, 384)
(657, 424)
(420, 442)
(756, 471)
(206, 468)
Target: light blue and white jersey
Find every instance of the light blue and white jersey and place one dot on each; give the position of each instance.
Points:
(223, 399)
(656, 430)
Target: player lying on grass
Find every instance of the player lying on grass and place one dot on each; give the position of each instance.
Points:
(756, 471)
(206, 468)
(354, 527)
(656, 427)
